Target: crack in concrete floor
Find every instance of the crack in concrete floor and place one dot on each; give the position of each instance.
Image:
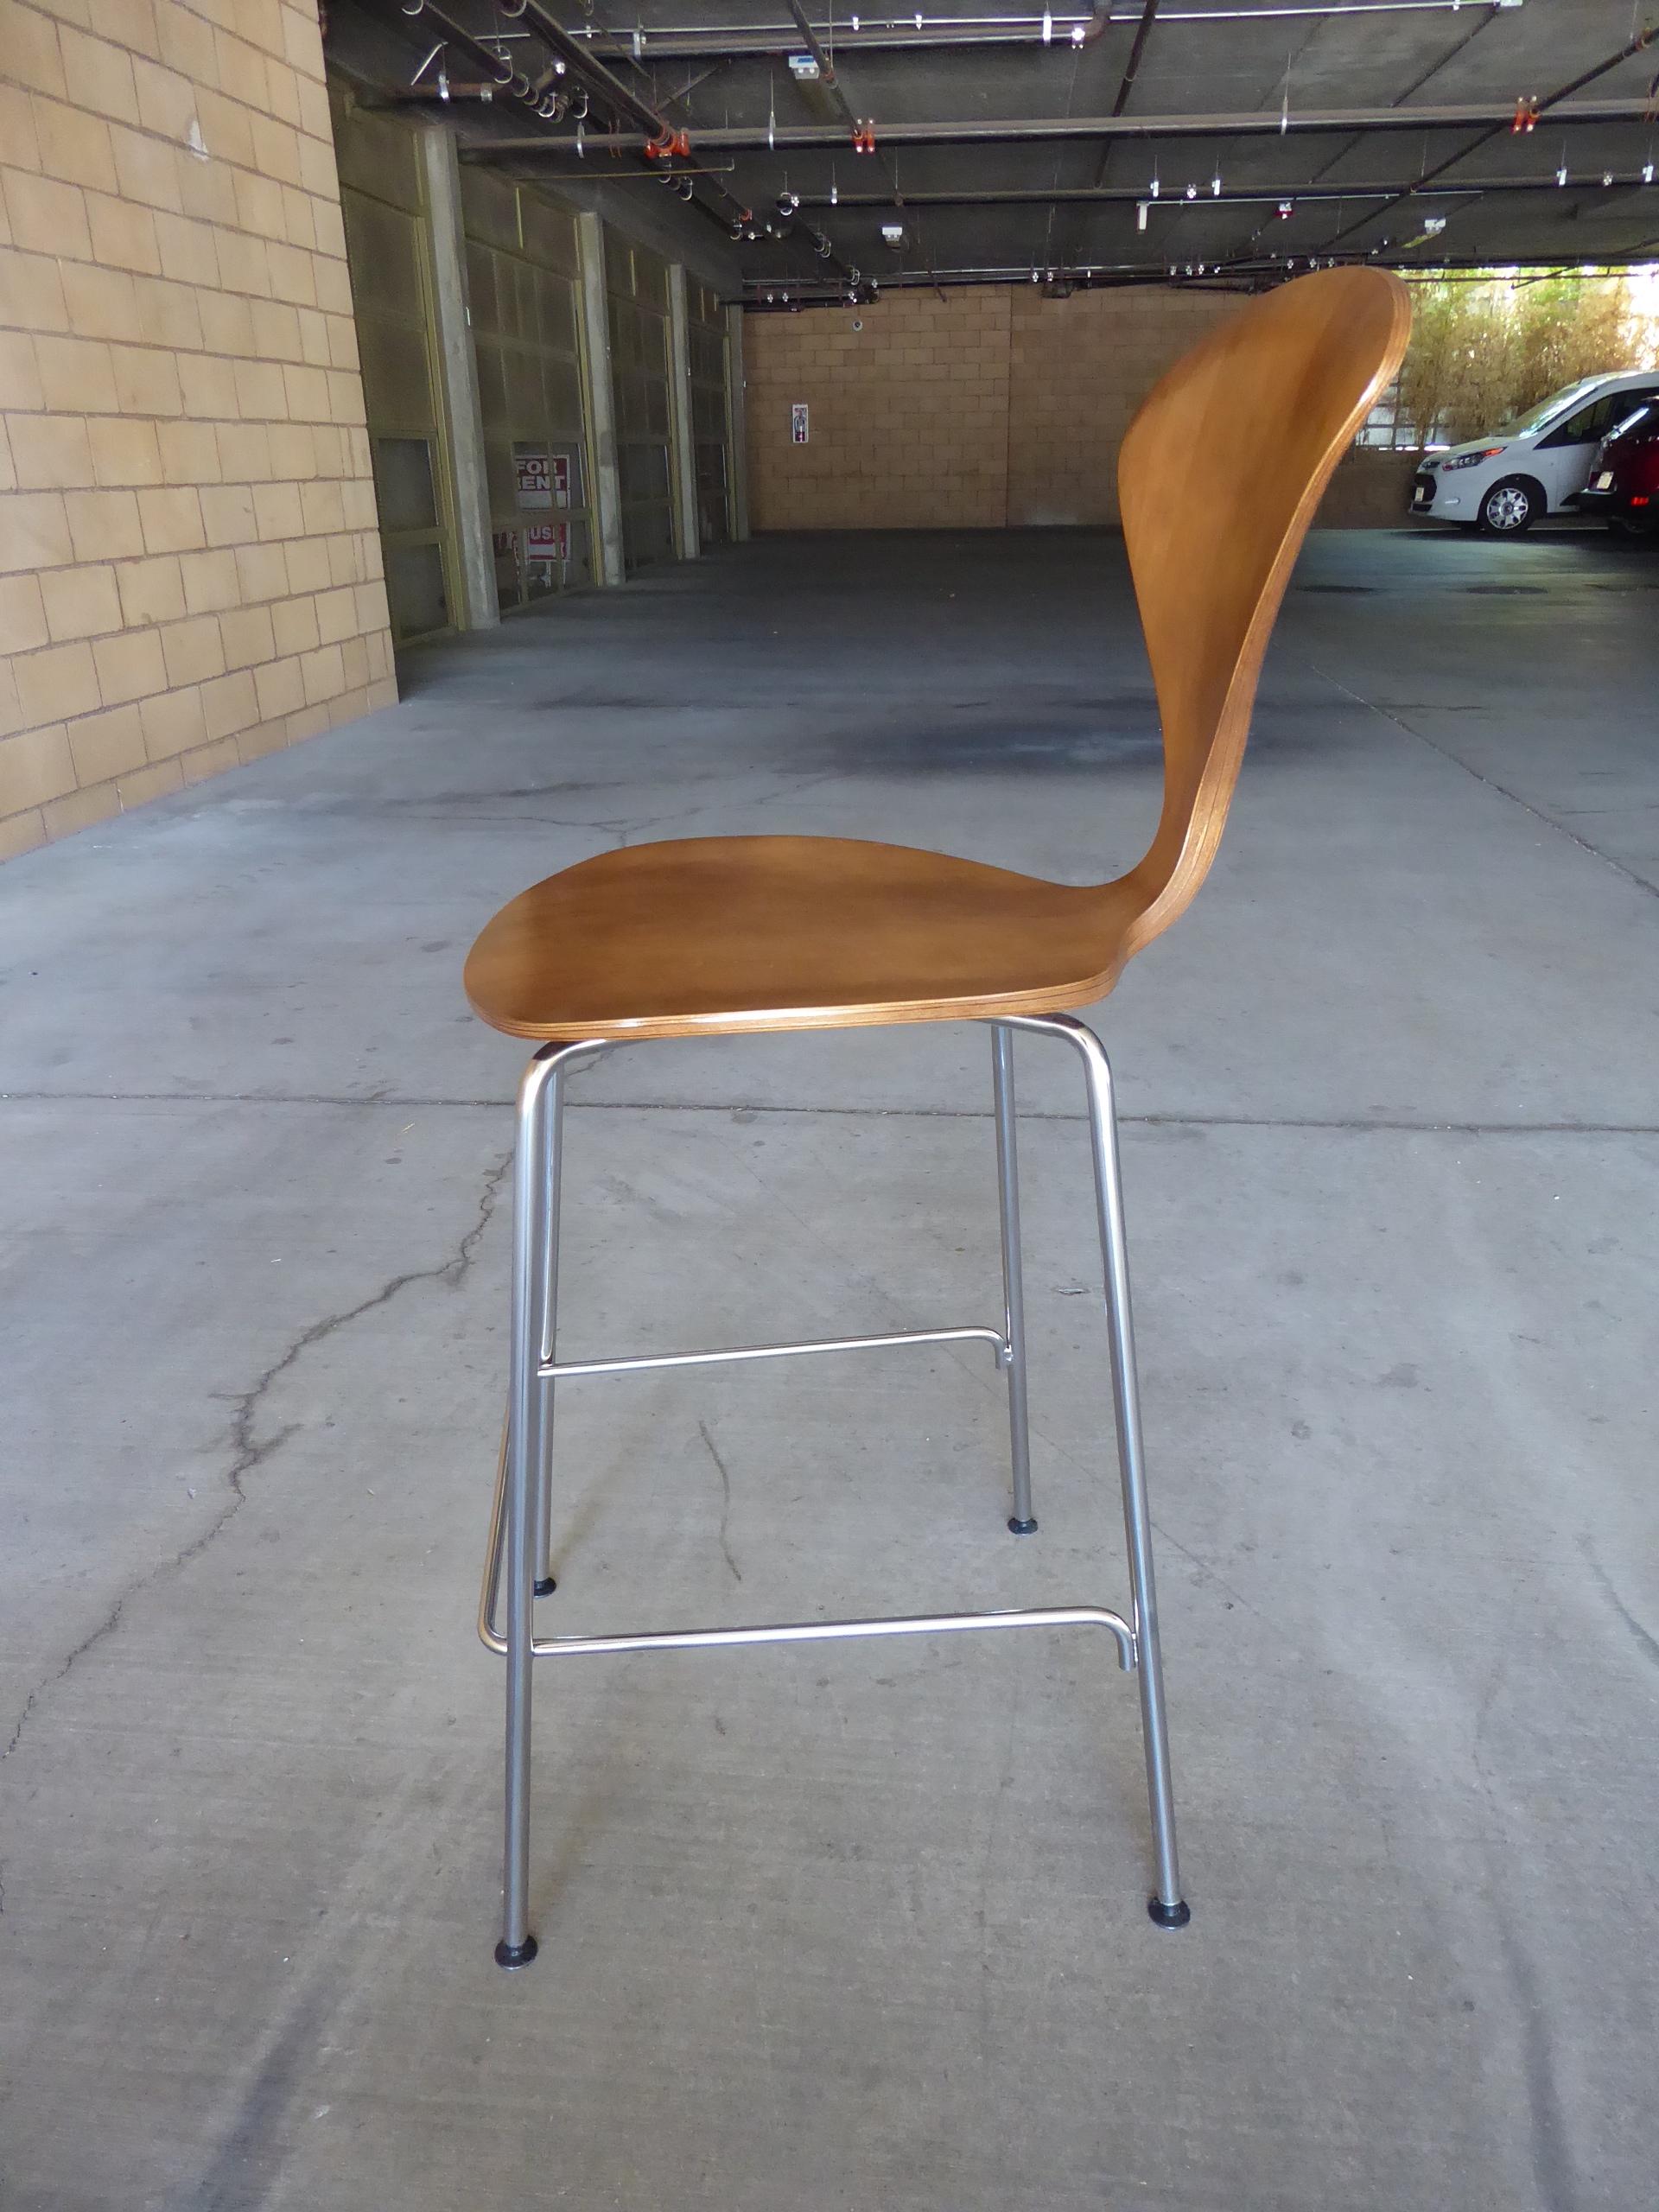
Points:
(1359, 1123)
(250, 1452)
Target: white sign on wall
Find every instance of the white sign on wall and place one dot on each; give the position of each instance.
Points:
(797, 422)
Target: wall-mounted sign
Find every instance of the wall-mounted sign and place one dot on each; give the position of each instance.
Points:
(547, 541)
(535, 476)
(797, 422)
(543, 478)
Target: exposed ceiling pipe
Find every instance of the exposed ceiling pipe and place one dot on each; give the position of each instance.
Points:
(1523, 119)
(489, 58)
(613, 89)
(814, 46)
(855, 125)
(1253, 124)
(769, 294)
(1235, 196)
(1142, 33)
(1339, 155)
(596, 79)
(576, 51)
(729, 40)
(593, 75)
(1120, 104)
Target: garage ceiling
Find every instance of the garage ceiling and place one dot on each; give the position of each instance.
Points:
(1228, 139)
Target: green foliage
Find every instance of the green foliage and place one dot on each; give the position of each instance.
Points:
(1482, 350)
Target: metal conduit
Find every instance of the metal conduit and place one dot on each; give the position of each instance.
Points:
(781, 295)
(597, 81)
(1172, 203)
(1551, 105)
(508, 80)
(1254, 124)
(695, 41)
(577, 53)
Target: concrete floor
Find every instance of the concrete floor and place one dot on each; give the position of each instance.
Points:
(860, 1928)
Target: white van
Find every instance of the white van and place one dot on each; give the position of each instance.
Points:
(1503, 483)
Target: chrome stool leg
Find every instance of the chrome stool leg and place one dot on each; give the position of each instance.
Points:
(1014, 1295)
(525, 1463)
(1167, 1907)
(552, 1165)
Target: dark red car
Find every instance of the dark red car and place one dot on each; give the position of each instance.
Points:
(1624, 481)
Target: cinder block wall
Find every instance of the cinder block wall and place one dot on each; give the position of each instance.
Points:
(908, 418)
(1080, 367)
(189, 566)
(994, 407)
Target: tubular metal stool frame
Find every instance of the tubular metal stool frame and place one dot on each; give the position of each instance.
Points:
(520, 1531)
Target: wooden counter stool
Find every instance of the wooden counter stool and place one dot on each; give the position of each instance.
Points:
(726, 936)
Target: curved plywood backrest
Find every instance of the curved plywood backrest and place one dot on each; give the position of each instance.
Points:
(1218, 478)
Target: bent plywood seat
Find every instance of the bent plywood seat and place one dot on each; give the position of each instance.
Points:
(1220, 474)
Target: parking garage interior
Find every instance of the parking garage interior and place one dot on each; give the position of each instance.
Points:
(445, 444)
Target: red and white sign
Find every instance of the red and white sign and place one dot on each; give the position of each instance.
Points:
(535, 484)
(547, 541)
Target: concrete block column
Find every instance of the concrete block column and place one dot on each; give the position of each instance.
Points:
(609, 562)
(682, 433)
(458, 378)
(737, 447)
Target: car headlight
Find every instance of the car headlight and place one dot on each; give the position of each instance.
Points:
(1468, 460)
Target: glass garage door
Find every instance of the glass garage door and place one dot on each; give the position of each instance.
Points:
(522, 294)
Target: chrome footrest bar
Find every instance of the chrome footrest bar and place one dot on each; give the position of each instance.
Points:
(559, 1370)
(707, 1639)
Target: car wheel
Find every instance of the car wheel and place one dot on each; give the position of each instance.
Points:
(1510, 507)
